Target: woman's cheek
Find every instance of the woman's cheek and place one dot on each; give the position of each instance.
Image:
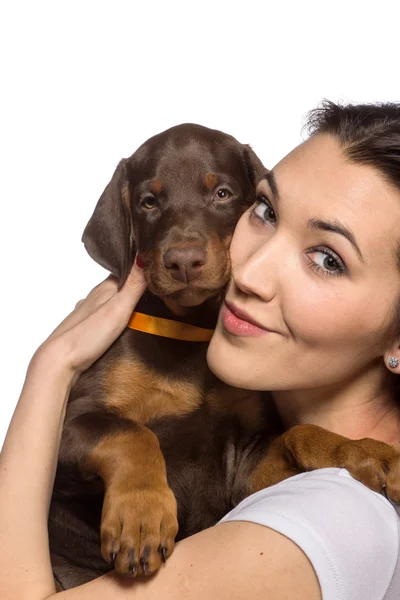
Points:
(313, 315)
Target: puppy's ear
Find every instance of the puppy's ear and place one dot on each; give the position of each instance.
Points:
(108, 236)
(254, 166)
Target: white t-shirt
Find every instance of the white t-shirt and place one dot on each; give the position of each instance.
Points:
(350, 534)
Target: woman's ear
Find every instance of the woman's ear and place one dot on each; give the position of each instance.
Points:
(108, 237)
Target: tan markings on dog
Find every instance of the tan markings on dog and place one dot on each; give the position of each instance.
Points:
(227, 240)
(139, 509)
(217, 269)
(138, 393)
(118, 454)
(211, 181)
(244, 405)
(156, 186)
(272, 468)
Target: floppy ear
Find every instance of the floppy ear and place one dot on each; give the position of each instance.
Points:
(254, 166)
(108, 236)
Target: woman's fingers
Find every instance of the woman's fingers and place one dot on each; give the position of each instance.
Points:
(99, 319)
(128, 296)
(98, 295)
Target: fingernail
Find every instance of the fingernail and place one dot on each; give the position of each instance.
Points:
(139, 262)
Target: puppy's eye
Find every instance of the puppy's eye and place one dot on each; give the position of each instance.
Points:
(223, 194)
(149, 202)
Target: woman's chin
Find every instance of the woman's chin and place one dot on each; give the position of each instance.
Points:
(228, 367)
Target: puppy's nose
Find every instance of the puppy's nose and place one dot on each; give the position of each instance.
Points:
(185, 263)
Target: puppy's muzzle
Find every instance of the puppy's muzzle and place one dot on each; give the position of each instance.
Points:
(185, 264)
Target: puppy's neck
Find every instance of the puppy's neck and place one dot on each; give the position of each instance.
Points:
(204, 315)
(177, 309)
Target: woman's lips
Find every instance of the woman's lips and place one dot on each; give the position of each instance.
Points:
(235, 322)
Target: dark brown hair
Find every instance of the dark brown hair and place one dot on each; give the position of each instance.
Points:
(368, 133)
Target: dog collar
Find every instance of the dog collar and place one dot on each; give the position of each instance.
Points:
(169, 329)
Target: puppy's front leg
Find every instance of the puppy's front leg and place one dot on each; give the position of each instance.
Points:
(308, 447)
(139, 517)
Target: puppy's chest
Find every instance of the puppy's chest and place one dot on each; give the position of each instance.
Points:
(150, 378)
(139, 392)
(155, 379)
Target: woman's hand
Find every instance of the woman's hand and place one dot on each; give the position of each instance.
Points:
(94, 324)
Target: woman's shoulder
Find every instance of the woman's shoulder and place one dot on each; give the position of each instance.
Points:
(349, 533)
(322, 488)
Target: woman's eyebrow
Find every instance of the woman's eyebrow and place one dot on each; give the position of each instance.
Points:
(270, 177)
(333, 226)
(337, 227)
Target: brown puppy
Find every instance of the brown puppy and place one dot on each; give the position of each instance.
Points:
(148, 427)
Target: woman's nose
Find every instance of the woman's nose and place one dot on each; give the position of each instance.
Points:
(258, 274)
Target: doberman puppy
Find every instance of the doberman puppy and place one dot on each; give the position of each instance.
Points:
(151, 437)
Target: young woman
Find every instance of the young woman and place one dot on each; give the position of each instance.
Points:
(312, 314)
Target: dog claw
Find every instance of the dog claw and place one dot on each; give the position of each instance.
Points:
(112, 558)
(132, 566)
(163, 552)
(144, 565)
(144, 558)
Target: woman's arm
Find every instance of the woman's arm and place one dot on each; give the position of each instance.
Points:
(232, 561)
(29, 456)
(27, 468)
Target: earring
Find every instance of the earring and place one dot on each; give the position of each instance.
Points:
(393, 362)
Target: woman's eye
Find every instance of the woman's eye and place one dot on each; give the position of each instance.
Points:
(264, 211)
(326, 261)
(223, 194)
(149, 202)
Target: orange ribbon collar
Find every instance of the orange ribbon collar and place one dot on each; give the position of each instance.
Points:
(169, 329)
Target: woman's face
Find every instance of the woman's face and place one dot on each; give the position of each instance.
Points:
(314, 265)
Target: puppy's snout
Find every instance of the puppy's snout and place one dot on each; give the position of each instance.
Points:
(185, 264)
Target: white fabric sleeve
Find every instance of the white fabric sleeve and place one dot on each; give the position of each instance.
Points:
(349, 533)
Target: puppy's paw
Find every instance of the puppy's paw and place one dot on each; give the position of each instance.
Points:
(138, 528)
(373, 463)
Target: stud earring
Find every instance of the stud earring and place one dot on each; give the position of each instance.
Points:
(393, 362)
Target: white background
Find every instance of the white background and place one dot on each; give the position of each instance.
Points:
(83, 83)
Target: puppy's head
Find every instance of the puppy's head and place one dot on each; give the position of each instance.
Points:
(175, 202)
